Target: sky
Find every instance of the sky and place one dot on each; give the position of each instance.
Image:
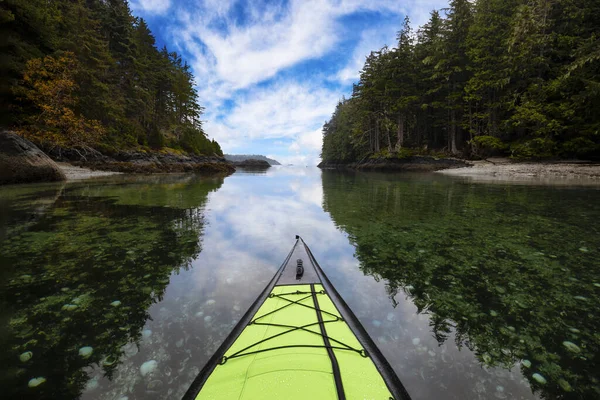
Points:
(270, 72)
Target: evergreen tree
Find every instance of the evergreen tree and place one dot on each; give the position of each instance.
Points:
(120, 91)
(508, 76)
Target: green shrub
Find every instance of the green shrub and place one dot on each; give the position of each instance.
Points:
(484, 146)
(534, 148)
(579, 147)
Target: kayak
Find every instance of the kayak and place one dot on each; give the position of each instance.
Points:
(298, 340)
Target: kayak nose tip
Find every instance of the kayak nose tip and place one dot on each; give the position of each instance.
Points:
(297, 237)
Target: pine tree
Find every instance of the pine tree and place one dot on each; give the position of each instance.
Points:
(457, 25)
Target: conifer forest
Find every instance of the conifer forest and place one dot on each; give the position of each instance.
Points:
(87, 74)
(506, 77)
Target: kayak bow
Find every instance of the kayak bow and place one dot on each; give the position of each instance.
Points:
(298, 340)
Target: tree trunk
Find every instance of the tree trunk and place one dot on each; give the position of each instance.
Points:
(453, 148)
(387, 134)
(376, 136)
(400, 132)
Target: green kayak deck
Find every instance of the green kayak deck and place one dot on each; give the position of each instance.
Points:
(299, 340)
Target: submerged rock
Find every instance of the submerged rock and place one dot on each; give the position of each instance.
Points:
(416, 341)
(36, 381)
(115, 303)
(69, 307)
(565, 385)
(155, 384)
(526, 363)
(108, 361)
(571, 346)
(539, 378)
(148, 367)
(26, 356)
(92, 384)
(146, 333)
(86, 351)
(130, 349)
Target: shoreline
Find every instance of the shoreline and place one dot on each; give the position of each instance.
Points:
(138, 162)
(503, 169)
(406, 164)
(75, 173)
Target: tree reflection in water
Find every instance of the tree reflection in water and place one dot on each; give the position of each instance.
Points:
(510, 272)
(78, 281)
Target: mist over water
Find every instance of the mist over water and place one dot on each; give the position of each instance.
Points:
(124, 287)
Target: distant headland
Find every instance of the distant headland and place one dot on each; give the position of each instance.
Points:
(244, 157)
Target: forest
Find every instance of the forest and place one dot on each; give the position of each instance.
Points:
(486, 77)
(87, 75)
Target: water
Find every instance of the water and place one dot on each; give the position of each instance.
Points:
(124, 287)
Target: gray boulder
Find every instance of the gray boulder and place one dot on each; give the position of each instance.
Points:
(21, 161)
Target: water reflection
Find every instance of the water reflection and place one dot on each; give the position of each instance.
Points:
(160, 269)
(79, 280)
(510, 273)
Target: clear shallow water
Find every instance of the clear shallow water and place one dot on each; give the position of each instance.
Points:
(126, 286)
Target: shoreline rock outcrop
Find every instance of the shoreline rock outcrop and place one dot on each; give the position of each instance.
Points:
(408, 164)
(145, 162)
(22, 162)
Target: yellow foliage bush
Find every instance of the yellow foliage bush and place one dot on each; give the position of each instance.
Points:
(49, 85)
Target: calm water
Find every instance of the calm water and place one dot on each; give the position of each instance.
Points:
(122, 288)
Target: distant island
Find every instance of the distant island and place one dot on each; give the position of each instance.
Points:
(244, 157)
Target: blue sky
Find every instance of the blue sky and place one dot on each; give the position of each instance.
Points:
(270, 72)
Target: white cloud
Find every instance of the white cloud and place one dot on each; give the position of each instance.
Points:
(371, 40)
(151, 6)
(309, 141)
(274, 38)
(239, 60)
(283, 110)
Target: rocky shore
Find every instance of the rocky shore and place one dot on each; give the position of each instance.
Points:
(21, 161)
(408, 164)
(144, 162)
